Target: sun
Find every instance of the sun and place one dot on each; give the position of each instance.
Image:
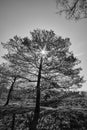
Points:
(43, 51)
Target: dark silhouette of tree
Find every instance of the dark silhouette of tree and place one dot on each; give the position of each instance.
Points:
(73, 9)
(44, 58)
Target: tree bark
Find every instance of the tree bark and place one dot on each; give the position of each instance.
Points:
(34, 122)
(9, 94)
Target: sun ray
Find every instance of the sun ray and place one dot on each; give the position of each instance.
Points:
(43, 51)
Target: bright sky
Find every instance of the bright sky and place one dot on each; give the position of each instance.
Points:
(19, 17)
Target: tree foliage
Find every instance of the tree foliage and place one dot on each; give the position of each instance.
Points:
(73, 9)
(58, 67)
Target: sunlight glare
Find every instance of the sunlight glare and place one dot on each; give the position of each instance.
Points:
(43, 51)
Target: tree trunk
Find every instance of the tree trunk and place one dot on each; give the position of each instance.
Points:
(34, 122)
(9, 94)
(13, 122)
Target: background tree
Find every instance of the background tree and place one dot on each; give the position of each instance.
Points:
(45, 58)
(10, 77)
(73, 9)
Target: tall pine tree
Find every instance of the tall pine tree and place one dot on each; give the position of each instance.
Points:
(44, 58)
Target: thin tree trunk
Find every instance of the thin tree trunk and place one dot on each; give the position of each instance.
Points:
(13, 121)
(9, 94)
(34, 123)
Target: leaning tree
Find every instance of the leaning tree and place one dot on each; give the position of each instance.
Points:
(46, 59)
(11, 76)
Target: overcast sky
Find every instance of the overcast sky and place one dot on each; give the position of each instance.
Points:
(19, 17)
